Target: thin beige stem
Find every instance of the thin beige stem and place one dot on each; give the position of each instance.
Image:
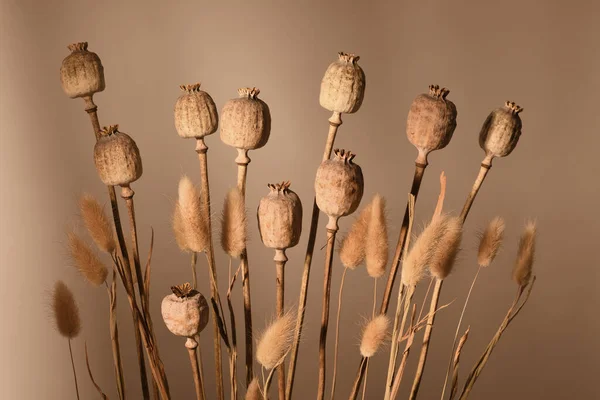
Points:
(364, 391)
(193, 266)
(199, 361)
(114, 336)
(74, 372)
(358, 379)
(462, 314)
(127, 193)
(485, 167)
(409, 341)
(435, 297)
(202, 151)
(334, 122)
(337, 334)
(233, 347)
(92, 109)
(280, 260)
(325, 313)
(191, 346)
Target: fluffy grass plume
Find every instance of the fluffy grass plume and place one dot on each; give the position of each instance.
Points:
(86, 261)
(525, 255)
(66, 312)
(97, 223)
(234, 224)
(194, 226)
(376, 243)
(352, 249)
(253, 392)
(374, 335)
(419, 257)
(447, 248)
(179, 229)
(491, 240)
(276, 341)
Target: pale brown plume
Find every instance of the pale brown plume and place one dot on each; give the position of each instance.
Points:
(97, 223)
(276, 341)
(376, 243)
(194, 225)
(234, 224)
(66, 312)
(447, 248)
(178, 228)
(352, 249)
(86, 261)
(525, 256)
(491, 240)
(421, 253)
(374, 335)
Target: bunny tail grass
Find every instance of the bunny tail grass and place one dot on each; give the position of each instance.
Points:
(374, 335)
(253, 392)
(234, 224)
(66, 312)
(275, 341)
(376, 243)
(86, 261)
(491, 240)
(446, 250)
(352, 248)
(192, 216)
(525, 256)
(97, 223)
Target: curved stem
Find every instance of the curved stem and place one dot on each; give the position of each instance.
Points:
(334, 123)
(73, 365)
(337, 334)
(485, 167)
(457, 331)
(202, 151)
(191, 346)
(325, 313)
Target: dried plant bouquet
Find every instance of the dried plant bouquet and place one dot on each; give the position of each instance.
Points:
(245, 123)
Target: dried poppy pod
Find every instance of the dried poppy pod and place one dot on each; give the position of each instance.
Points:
(195, 113)
(339, 187)
(246, 121)
(280, 218)
(81, 73)
(501, 131)
(343, 86)
(117, 157)
(431, 122)
(185, 312)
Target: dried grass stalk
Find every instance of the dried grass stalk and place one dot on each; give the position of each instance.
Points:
(234, 224)
(86, 261)
(374, 335)
(66, 312)
(97, 223)
(194, 225)
(275, 341)
(523, 267)
(352, 248)
(456, 362)
(98, 388)
(376, 243)
(491, 240)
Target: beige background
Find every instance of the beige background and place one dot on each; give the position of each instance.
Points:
(541, 54)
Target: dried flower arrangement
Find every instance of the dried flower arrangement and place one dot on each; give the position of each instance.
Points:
(245, 124)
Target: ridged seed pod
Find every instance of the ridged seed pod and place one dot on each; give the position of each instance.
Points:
(81, 73)
(501, 131)
(280, 217)
(195, 113)
(117, 157)
(246, 121)
(185, 312)
(343, 86)
(338, 186)
(431, 121)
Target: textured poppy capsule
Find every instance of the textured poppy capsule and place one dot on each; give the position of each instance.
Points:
(501, 131)
(81, 73)
(280, 217)
(185, 311)
(195, 113)
(343, 86)
(117, 157)
(246, 121)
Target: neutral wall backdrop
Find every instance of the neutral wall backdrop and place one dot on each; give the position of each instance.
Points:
(541, 54)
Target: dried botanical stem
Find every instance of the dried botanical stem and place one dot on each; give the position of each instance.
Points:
(364, 392)
(98, 389)
(199, 361)
(325, 313)
(510, 315)
(402, 308)
(426, 338)
(191, 346)
(412, 330)
(202, 151)
(233, 347)
(455, 364)
(280, 260)
(358, 380)
(242, 161)
(456, 333)
(486, 164)
(334, 122)
(91, 109)
(114, 336)
(73, 365)
(337, 333)
(193, 265)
